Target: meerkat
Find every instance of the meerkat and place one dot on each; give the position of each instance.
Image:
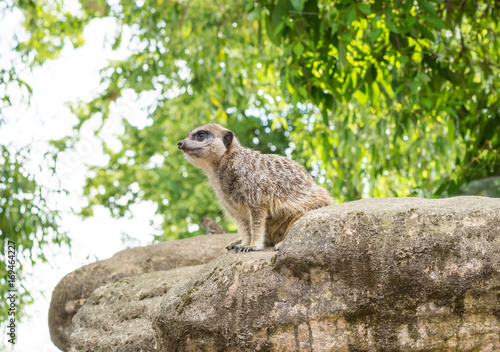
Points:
(264, 193)
(210, 226)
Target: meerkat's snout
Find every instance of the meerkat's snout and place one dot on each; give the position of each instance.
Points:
(180, 144)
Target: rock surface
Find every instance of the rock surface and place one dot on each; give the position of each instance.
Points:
(397, 274)
(125, 325)
(74, 289)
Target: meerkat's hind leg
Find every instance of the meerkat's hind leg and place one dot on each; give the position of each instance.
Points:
(283, 228)
(234, 244)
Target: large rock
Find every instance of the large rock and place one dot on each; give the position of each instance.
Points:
(74, 289)
(378, 274)
(125, 325)
(400, 274)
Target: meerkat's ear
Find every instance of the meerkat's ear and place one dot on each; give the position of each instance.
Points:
(228, 138)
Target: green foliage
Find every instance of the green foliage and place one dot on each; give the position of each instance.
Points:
(27, 219)
(407, 92)
(203, 66)
(50, 28)
(375, 98)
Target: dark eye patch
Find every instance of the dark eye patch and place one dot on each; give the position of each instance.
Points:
(201, 135)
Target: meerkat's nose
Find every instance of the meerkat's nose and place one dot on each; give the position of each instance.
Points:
(180, 144)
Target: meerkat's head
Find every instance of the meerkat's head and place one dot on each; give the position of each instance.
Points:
(204, 146)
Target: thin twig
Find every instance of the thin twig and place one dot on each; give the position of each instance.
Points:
(305, 13)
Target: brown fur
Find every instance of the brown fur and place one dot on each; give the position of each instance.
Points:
(264, 193)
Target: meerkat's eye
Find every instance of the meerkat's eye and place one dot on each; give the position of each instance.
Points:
(200, 135)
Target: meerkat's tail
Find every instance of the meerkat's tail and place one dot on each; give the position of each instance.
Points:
(321, 198)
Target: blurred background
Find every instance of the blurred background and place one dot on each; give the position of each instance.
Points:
(374, 98)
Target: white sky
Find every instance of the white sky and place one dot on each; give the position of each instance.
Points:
(75, 75)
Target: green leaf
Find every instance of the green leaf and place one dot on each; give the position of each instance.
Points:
(425, 32)
(270, 30)
(403, 59)
(375, 34)
(451, 132)
(410, 21)
(360, 97)
(365, 8)
(298, 49)
(279, 13)
(392, 27)
(254, 14)
(427, 6)
(377, 5)
(408, 5)
(349, 15)
(436, 22)
(249, 5)
(298, 4)
(334, 28)
(302, 92)
(426, 102)
(346, 36)
(342, 59)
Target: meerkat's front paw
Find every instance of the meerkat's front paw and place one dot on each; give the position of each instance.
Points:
(238, 249)
(233, 244)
